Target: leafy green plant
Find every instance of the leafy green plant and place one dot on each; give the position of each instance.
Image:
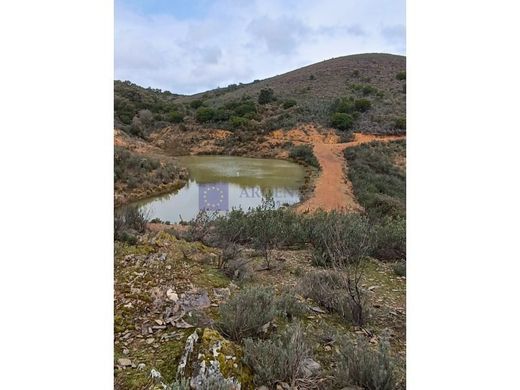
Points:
(401, 76)
(266, 96)
(204, 114)
(342, 121)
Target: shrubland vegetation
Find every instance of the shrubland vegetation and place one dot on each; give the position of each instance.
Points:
(304, 154)
(267, 322)
(370, 90)
(378, 177)
(136, 170)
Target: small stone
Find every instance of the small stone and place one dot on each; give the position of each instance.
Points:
(172, 295)
(141, 366)
(310, 367)
(126, 351)
(159, 322)
(124, 362)
(328, 348)
(150, 340)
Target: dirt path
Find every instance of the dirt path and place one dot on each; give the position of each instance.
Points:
(333, 190)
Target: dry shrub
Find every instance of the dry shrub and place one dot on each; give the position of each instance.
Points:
(245, 313)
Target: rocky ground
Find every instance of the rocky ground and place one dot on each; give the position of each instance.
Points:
(168, 292)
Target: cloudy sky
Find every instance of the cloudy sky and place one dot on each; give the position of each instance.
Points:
(191, 46)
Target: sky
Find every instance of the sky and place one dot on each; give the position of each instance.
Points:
(193, 46)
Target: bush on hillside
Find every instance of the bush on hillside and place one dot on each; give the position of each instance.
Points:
(304, 153)
(342, 121)
(238, 122)
(362, 105)
(195, 104)
(175, 117)
(266, 96)
(289, 103)
(400, 123)
(204, 114)
(401, 76)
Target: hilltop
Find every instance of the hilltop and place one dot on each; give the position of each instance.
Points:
(364, 93)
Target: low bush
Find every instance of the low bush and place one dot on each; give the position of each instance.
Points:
(330, 290)
(389, 239)
(362, 105)
(245, 313)
(379, 182)
(204, 114)
(360, 365)
(289, 306)
(342, 121)
(401, 76)
(128, 221)
(289, 103)
(238, 269)
(195, 104)
(339, 239)
(266, 96)
(239, 122)
(400, 123)
(175, 117)
(278, 359)
(304, 153)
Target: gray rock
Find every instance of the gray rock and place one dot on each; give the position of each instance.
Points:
(310, 367)
(196, 299)
(124, 362)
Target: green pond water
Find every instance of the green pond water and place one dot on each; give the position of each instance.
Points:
(221, 183)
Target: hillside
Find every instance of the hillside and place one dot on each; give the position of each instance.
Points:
(364, 93)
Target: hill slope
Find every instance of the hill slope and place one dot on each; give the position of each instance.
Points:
(309, 94)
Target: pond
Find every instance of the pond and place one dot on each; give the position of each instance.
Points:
(221, 183)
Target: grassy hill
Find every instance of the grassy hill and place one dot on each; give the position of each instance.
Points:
(364, 93)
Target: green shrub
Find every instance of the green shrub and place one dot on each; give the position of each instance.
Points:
(339, 239)
(245, 107)
(289, 103)
(266, 96)
(401, 76)
(360, 365)
(390, 239)
(362, 105)
(196, 103)
(221, 115)
(204, 114)
(379, 183)
(343, 105)
(245, 313)
(289, 306)
(175, 117)
(330, 290)
(305, 154)
(128, 221)
(400, 123)
(342, 121)
(239, 122)
(278, 359)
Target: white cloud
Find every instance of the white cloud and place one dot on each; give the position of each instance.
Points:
(239, 41)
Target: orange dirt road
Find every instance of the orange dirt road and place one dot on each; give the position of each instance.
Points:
(333, 190)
